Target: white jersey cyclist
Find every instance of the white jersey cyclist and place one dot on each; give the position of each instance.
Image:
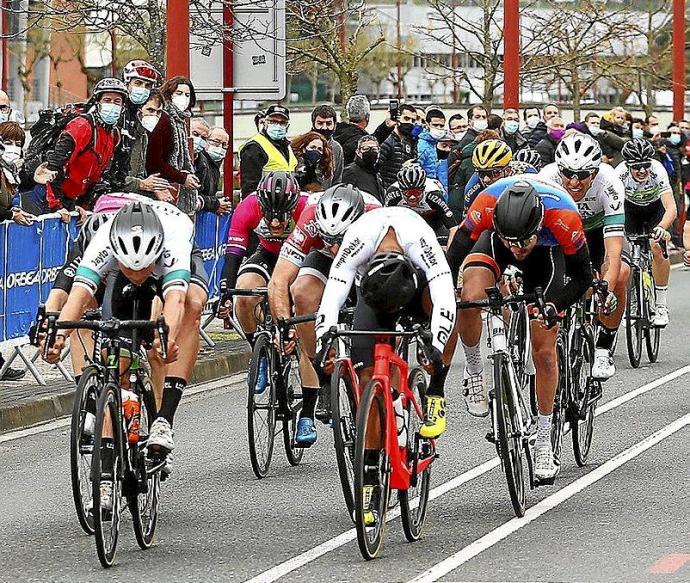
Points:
(173, 266)
(646, 192)
(602, 204)
(419, 245)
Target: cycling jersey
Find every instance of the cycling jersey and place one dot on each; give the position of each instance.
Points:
(432, 207)
(305, 236)
(649, 191)
(173, 266)
(475, 185)
(602, 204)
(419, 245)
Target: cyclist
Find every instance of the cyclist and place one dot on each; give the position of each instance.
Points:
(649, 208)
(302, 271)
(425, 196)
(598, 193)
(534, 225)
(529, 156)
(491, 161)
(403, 270)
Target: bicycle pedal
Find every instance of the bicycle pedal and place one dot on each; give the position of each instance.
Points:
(490, 437)
(538, 482)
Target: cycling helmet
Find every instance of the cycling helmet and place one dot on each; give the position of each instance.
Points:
(637, 151)
(411, 176)
(109, 85)
(491, 154)
(578, 152)
(519, 212)
(136, 236)
(140, 69)
(339, 207)
(90, 226)
(278, 194)
(517, 167)
(528, 155)
(390, 282)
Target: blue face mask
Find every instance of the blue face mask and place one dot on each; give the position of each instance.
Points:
(637, 132)
(276, 131)
(416, 130)
(674, 139)
(511, 126)
(199, 143)
(216, 153)
(110, 113)
(139, 95)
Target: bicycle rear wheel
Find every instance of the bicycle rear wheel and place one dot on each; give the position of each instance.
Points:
(107, 522)
(344, 416)
(560, 402)
(371, 470)
(81, 445)
(633, 318)
(582, 417)
(293, 406)
(261, 408)
(413, 517)
(509, 436)
(652, 334)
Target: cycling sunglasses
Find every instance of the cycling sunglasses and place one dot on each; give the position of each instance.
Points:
(640, 166)
(579, 174)
(492, 173)
(416, 192)
(519, 244)
(330, 240)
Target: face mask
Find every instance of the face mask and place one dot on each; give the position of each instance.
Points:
(654, 130)
(139, 95)
(532, 121)
(370, 157)
(416, 130)
(312, 157)
(637, 133)
(460, 134)
(511, 126)
(557, 134)
(328, 134)
(4, 117)
(181, 102)
(442, 154)
(436, 133)
(276, 131)
(11, 154)
(199, 144)
(480, 124)
(406, 128)
(674, 139)
(216, 153)
(110, 113)
(149, 122)
(595, 130)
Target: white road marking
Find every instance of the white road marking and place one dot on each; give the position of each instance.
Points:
(336, 542)
(508, 528)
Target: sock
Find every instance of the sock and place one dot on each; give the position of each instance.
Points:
(661, 291)
(172, 393)
(473, 358)
(309, 398)
(544, 426)
(250, 339)
(107, 456)
(606, 337)
(437, 381)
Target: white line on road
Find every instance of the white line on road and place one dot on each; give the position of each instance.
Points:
(336, 542)
(508, 528)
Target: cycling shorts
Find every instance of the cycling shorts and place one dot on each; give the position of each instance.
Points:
(597, 248)
(198, 276)
(317, 264)
(262, 262)
(640, 220)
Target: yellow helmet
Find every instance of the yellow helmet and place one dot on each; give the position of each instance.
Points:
(491, 154)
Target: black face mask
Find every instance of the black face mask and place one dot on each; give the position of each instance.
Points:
(328, 134)
(369, 158)
(442, 154)
(406, 128)
(312, 157)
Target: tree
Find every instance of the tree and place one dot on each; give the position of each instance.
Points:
(381, 64)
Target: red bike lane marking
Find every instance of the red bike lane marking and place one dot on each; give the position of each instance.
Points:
(670, 563)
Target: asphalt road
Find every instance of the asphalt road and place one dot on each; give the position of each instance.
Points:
(624, 517)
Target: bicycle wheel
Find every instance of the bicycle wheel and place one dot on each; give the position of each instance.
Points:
(344, 415)
(81, 445)
(633, 318)
(413, 517)
(582, 417)
(371, 470)
(652, 334)
(509, 435)
(293, 406)
(560, 402)
(261, 409)
(107, 522)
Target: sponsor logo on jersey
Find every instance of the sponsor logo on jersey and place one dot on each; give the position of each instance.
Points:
(101, 258)
(350, 251)
(428, 254)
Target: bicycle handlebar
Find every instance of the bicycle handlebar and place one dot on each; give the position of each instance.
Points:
(496, 301)
(257, 291)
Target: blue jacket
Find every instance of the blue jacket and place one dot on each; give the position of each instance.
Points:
(426, 154)
(442, 175)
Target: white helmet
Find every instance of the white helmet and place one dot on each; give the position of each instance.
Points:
(339, 207)
(578, 152)
(136, 236)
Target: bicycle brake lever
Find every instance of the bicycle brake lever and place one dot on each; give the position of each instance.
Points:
(163, 330)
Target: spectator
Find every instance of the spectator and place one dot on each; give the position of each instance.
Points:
(267, 151)
(348, 133)
(675, 147)
(684, 126)
(428, 139)
(477, 122)
(637, 128)
(168, 151)
(12, 139)
(510, 130)
(536, 127)
(6, 111)
(362, 172)
(651, 125)
(259, 120)
(323, 119)
(399, 146)
(314, 161)
(494, 121)
(547, 146)
(443, 148)
(611, 143)
(615, 121)
(457, 125)
(551, 110)
(207, 167)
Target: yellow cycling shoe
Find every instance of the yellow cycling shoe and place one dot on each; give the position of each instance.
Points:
(369, 516)
(434, 418)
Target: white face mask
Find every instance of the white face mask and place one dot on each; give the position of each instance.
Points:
(459, 134)
(149, 122)
(480, 124)
(11, 154)
(654, 130)
(181, 102)
(532, 121)
(437, 133)
(595, 130)
(4, 117)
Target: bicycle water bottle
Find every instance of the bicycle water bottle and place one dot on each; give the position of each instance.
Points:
(647, 282)
(401, 418)
(132, 411)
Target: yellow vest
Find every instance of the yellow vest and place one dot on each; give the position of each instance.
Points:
(276, 161)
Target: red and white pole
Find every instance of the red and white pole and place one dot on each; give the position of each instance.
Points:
(511, 54)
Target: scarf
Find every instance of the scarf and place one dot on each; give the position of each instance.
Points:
(179, 155)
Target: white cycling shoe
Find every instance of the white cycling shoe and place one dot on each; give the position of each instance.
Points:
(474, 390)
(661, 318)
(106, 489)
(603, 368)
(545, 467)
(161, 435)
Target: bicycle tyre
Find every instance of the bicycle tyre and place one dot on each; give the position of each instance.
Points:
(583, 429)
(372, 406)
(261, 442)
(293, 404)
(560, 402)
(344, 417)
(517, 335)
(81, 458)
(652, 334)
(509, 441)
(633, 318)
(107, 537)
(413, 518)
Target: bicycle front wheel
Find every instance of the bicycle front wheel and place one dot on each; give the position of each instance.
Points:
(633, 319)
(293, 406)
(582, 418)
(560, 402)
(652, 334)
(261, 407)
(371, 470)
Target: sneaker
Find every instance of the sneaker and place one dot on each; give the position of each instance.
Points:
(603, 368)
(434, 418)
(13, 374)
(161, 435)
(323, 410)
(545, 467)
(475, 394)
(660, 317)
(106, 496)
(306, 432)
(261, 376)
(369, 514)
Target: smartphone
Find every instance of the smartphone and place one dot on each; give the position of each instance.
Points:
(393, 105)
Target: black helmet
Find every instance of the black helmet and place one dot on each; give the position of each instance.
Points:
(90, 226)
(390, 282)
(109, 85)
(337, 208)
(637, 151)
(278, 194)
(531, 157)
(411, 176)
(136, 236)
(519, 212)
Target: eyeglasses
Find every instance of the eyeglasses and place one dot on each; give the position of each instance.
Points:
(214, 142)
(640, 166)
(519, 244)
(579, 174)
(491, 173)
(5, 107)
(369, 149)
